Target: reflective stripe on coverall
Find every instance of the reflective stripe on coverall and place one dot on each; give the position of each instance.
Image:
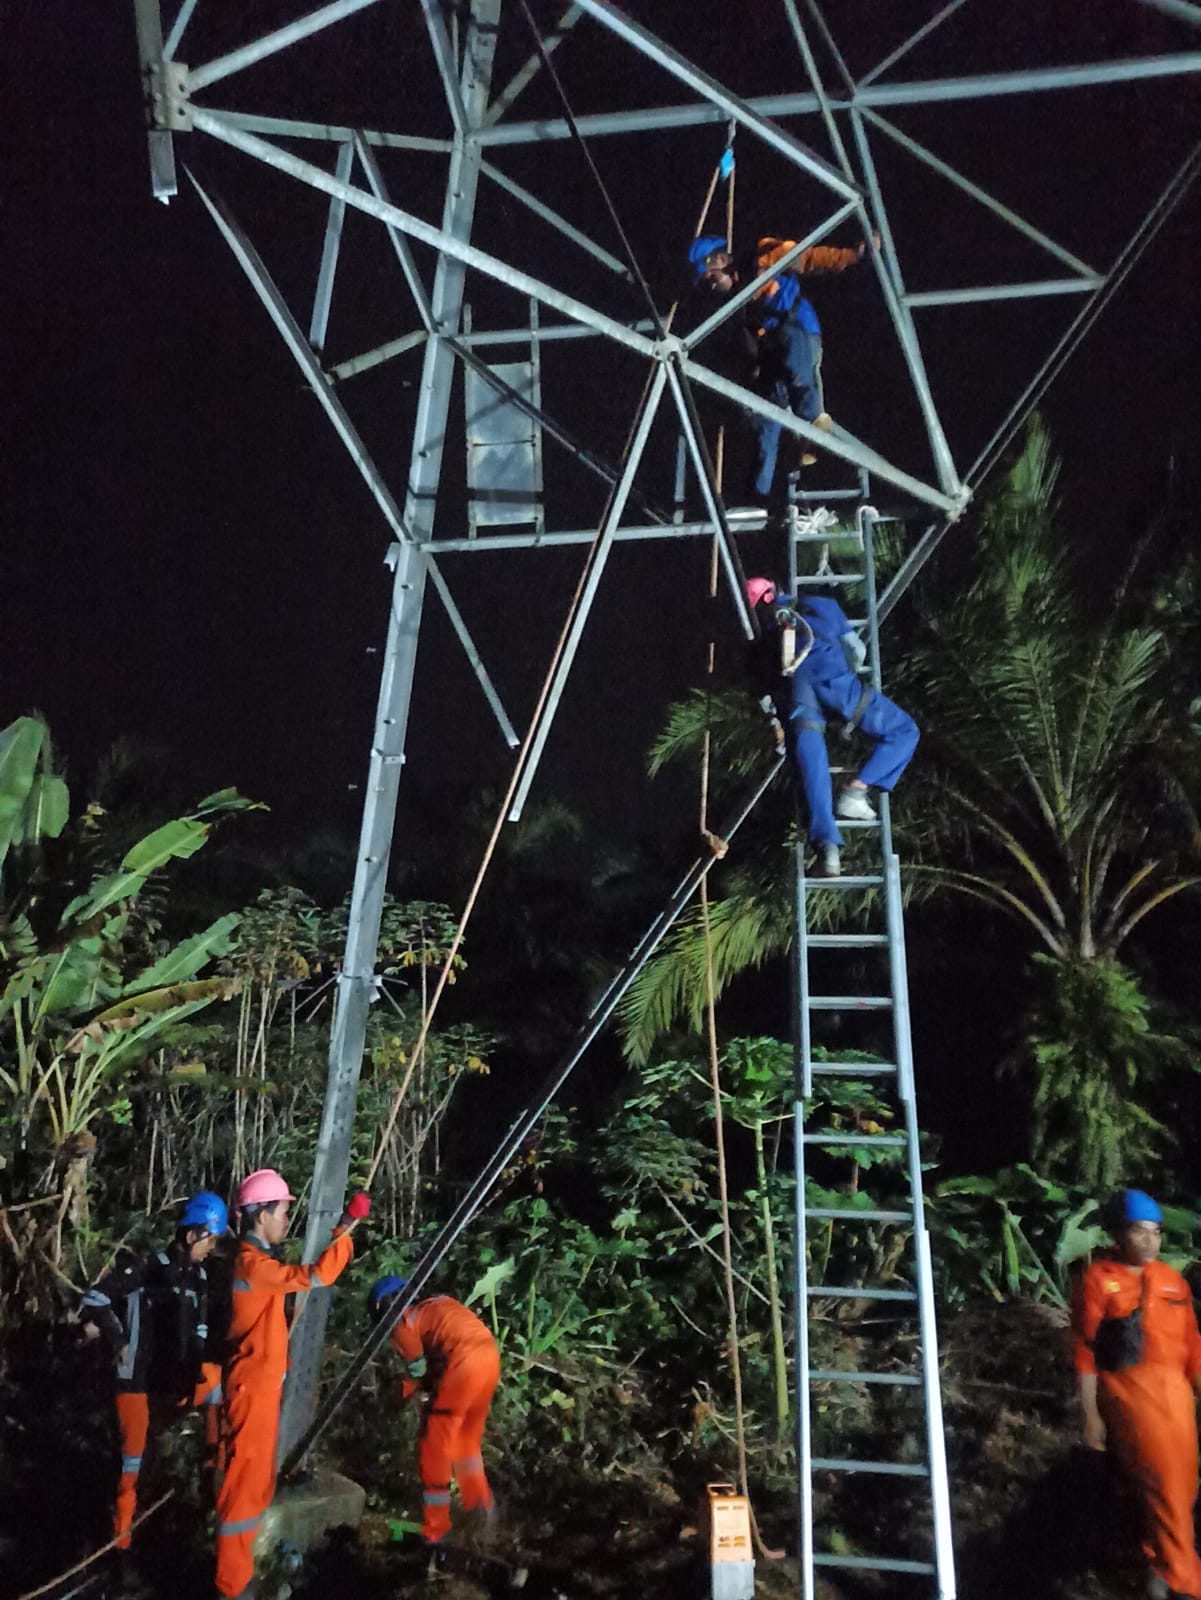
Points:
(254, 1381)
(133, 1425)
(447, 1346)
(1149, 1410)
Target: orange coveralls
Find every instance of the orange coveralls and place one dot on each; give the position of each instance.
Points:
(1149, 1410)
(133, 1424)
(255, 1365)
(448, 1349)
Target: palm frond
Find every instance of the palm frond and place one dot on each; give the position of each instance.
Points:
(738, 733)
(744, 929)
(1118, 705)
(993, 892)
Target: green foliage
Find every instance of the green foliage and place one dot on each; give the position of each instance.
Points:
(745, 930)
(1097, 1063)
(87, 999)
(34, 803)
(1014, 1234)
(1060, 772)
(738, 735)
(1019, 1235)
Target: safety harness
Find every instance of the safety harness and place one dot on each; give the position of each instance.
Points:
(790, 622)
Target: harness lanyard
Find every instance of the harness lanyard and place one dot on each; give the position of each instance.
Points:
(789, 659)
(856, 716)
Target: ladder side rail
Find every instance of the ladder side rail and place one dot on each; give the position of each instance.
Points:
(927, 1319)
(803, 1088)
(868, 517)
(800, 942)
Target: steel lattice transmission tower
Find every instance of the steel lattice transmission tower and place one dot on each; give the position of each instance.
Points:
(400, 95)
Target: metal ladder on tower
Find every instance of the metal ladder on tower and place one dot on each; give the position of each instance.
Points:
(810, 531)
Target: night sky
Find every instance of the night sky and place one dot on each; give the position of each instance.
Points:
(188, 556)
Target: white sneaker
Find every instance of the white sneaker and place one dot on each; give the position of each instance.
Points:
(854, 806)
(829, 862)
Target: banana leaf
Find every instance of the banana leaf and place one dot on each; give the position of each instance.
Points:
(187, 958)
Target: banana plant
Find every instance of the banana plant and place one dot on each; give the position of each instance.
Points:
(81, 1008)
(33, 800)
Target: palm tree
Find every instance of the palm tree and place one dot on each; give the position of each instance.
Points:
(1057, 783)
(1060, 777)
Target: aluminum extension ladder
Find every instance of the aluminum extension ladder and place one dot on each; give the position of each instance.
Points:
(912, 1298)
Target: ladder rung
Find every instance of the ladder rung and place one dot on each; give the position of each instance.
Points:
(850, 1002)
(845, 941)
(875, 1564)
(827, 580)
(901, 1379)
(887, 1469)
(870, 881)
(826, 1291)
(853, 822)
(852, 1069)
(833, 1138)
(855, 1214)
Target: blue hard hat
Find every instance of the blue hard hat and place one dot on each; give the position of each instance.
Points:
(701, 249)
(384, 1288)
(205, 1210)
(1127, 1206)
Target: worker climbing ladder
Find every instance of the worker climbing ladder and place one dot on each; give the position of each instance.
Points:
(842, 1271)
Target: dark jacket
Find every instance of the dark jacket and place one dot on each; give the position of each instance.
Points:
(154, 1306)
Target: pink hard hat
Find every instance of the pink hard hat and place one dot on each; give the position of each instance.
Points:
(261, 1188)
(759, 589)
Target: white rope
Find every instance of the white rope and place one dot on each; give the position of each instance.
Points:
(816, 521)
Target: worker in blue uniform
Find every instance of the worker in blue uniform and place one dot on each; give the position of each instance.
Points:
(785, 331)
(806, 659)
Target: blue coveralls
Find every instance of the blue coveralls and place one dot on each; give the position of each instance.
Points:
(790, 358)
(823, 683)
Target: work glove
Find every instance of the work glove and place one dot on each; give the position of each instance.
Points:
(854, 649)
(358, 1207)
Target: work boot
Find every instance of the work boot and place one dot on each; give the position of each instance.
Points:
(1157, 1587)
(825, 423)
(854, 806)
(829, 862)
(438, 1563)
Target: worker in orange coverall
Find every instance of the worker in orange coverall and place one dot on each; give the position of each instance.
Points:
(257, 1359)
(1138, 1360)
(448, 1352)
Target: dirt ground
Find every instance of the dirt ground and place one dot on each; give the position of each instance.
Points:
(1036, 1516)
